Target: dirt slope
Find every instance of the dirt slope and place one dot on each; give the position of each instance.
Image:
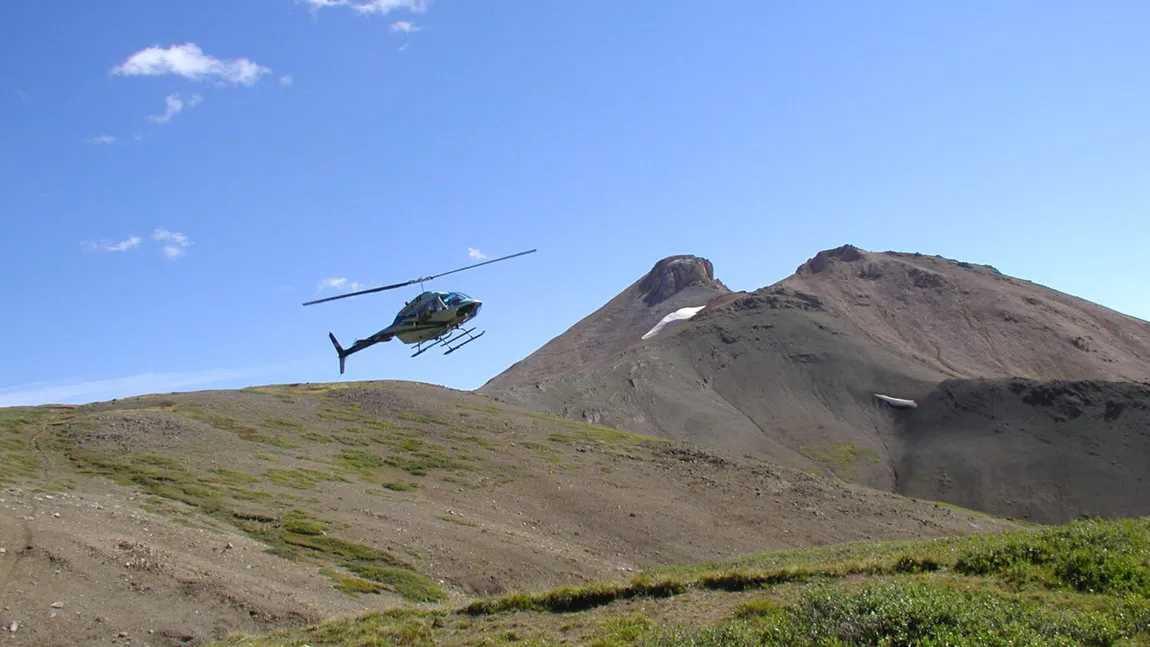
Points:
(175, 519)
(790, 372)
(1040, 449)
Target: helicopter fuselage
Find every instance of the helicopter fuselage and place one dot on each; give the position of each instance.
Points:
(432, 314)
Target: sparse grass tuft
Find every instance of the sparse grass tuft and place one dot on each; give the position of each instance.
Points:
(421, 417)
(592, 434)
(18, 458)
(843, 457)
(301, 479)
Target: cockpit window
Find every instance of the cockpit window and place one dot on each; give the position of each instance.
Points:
(454, 298)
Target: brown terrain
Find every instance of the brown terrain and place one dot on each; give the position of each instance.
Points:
(179, 519)
(1031, 403)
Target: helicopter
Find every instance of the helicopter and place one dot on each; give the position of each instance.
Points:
(426, 321)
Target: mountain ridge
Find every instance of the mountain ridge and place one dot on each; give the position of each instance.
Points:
(789, 373)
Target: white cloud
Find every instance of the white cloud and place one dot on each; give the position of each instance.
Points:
(78, 391)
(286, 81)
(476, 254)
(340, 283)
(381, 7)
(130, 242)
(385, 7)
(190, 62)
(102, 139)
(174, 105)
(175, 249)
(404, 26)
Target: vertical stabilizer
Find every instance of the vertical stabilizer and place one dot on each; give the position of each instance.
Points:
(339, 350)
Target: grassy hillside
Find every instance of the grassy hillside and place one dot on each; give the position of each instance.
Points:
(179, 518)
(1086, 583)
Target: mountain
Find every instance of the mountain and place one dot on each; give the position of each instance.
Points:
(791, 373)
(175, 519)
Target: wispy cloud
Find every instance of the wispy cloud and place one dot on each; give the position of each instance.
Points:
(190, 62)
(177, 242)
(380, 7)
(384, 7)
(130, 242)
(174, 104)
(340, 283)
(80, 391)
(405, 27)
(286, 81)
(476, 254)
(102, 139)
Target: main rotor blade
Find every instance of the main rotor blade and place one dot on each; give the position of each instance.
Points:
(420, 280)
(494, 260)
(369, 290)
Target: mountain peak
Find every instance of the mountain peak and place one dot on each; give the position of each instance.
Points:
(845, 253)
(673, 274)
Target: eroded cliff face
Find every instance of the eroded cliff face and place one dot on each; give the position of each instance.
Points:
(673, 274)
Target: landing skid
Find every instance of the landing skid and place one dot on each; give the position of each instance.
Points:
(440, 341)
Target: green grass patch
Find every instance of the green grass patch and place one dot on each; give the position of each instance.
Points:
(18, 458)
(159, 475)
(572, 599)
(356, 586)
(283, 423)
(1089, 557)
(301, 523)
(400, 486)
(409, 584)
(316, 438)
(360, 460)
(232, 477)
(1083, 583)
(352, 441)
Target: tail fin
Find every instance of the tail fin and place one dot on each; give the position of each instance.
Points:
(338, 349)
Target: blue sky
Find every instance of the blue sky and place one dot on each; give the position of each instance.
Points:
(239, 154)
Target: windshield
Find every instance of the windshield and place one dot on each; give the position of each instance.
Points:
(455, 298)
